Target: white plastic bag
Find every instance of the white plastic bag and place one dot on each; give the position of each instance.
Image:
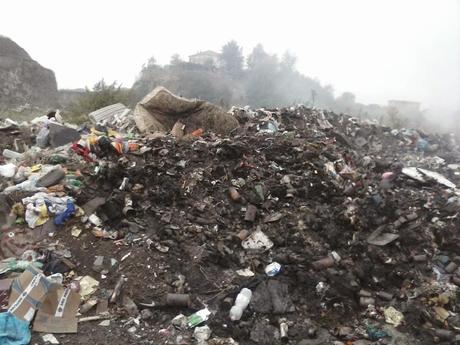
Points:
(7, 170)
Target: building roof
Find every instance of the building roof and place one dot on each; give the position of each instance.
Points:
(402, 102)
(206, 52)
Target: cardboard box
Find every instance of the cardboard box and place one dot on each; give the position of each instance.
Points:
(27, 293)
(58, 311)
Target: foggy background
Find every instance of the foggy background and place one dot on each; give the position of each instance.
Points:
(375, 50)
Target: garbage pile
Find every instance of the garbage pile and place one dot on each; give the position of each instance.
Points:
(297, 226)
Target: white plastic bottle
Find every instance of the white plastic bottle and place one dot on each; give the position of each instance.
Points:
(241, 303)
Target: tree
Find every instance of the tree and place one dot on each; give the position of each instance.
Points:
(329, 89)
(101, 95)
(257, 57)
(288, 62)
(175, 60)
(232, 59)
(348, 98)
(151, 62)
(262, 83)
(346, 102)
(150, 76)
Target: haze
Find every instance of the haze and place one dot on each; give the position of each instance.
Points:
(378, 50)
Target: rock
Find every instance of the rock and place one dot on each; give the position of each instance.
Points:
(60, 135)
(130, 306)
(444, 334)
(52, 178)
(98, 263)
(104, 323)
(92, 205)
(146, 314)
(261, 299)
(265, 334)
(251, 212)
(323, 337)
(451, 267)
(23, 80)
(272, 297)
(201, 334)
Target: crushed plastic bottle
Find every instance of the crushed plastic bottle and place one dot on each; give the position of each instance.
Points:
(199, 317)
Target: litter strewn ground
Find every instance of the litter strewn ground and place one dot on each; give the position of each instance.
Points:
(345, 232)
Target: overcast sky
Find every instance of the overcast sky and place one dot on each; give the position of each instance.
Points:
(377, 49)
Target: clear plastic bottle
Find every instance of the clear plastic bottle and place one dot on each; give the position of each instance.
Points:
(241, 303)
(12, 154)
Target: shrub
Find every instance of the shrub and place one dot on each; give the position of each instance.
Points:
(100, 96)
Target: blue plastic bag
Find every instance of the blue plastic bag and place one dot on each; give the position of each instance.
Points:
(422, 145)
(62, 217)
(13, 331)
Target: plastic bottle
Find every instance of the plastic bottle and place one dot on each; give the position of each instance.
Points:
(12, 154)
(241, 303)
(199, 317)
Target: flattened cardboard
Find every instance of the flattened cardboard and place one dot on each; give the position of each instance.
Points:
(57, 313)
(27, 293)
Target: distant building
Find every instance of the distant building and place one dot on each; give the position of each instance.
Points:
(407, 108)
(207, 57)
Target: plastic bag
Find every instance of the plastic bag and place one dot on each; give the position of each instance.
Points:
(13, 331)
(7, 170)
(69, 212)
(42, 138)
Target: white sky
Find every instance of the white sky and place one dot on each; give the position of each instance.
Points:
(377, 49)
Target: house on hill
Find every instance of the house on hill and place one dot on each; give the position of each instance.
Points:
(208, 57)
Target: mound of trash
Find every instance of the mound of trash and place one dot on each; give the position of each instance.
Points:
(292, 225)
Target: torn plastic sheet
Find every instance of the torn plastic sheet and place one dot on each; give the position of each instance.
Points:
(423, 175)
(380, 238)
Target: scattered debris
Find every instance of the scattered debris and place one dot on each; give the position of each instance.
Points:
(50, 339)
(295, 225)
(198, 318)
(257, 240)
(393, 316)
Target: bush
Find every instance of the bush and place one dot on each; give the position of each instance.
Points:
(100, 96)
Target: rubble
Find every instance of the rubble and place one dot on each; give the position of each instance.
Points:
(343, 232)
(116, 115)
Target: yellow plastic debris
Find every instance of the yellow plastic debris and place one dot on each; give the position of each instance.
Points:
(393, 316)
